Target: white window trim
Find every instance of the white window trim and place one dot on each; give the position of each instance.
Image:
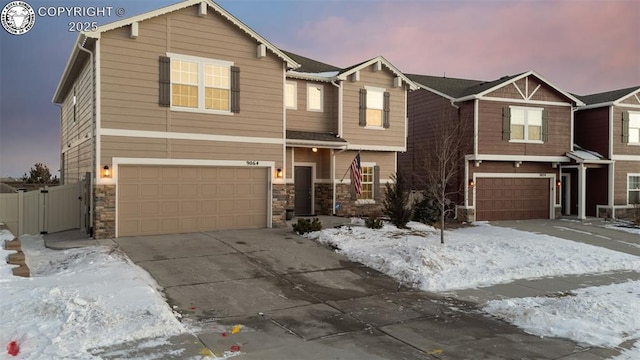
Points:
(526, 125)
(295, 95)
(371, 89)
(633, 113)
(372, 165)
(629, 175)
(201, 63)
(321, 87)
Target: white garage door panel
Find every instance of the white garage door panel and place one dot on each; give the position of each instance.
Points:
(174, 199)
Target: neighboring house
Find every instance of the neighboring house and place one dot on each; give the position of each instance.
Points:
(606, 173)
(185, 120)
(519, 131)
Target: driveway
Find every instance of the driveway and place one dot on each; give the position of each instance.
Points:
(296, 299)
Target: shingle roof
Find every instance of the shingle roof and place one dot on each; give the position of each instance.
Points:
(607, 96)
(310, 65)
(313, 136)
(449, 86)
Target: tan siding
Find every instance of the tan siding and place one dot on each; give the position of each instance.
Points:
(490, 132)
(75, 136)
(619, 147)
(114, 146)
(130, 76)
(622, 168)
(288, 173)
(632, 100)
(386, 161)
(394, 135)
(302, 120)
(322, 159)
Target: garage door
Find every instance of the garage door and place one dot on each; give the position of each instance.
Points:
(512, 198)
(175, 199)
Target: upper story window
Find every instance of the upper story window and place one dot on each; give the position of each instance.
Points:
(314, 97)
(374, 107)
(633, 185)
(631, 127)
(524, 124)
(199, 84)
(290, 95)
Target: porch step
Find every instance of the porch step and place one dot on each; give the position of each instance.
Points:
(17, 259)
(12, 245)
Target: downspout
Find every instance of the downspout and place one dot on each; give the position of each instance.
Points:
(333, 152)
(92, 180)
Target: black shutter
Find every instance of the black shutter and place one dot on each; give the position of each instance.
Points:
(545, 125)
(385, 112)
(376, 184)
(235, 89)
(506, 123)
(164, 98)
(363, 107)
(625, 127)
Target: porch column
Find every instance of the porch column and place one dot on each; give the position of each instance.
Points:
(582, 191)
(333, 181)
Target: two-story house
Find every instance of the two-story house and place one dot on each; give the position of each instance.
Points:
(185, 119)
(518, 131)
(605, 179)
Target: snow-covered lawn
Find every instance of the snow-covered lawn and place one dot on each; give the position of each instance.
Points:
(77, 300)
(483, 255)
(475, 256)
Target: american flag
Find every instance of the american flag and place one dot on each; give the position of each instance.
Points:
(356, 175)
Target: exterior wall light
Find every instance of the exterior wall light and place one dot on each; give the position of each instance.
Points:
(559, 183)
(279, 173)
(471, 183)
(314, 149)
(106, 172)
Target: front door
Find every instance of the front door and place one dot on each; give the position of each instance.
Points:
(303, 190)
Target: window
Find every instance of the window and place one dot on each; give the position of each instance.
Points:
(199, 84)
(633, 185)
(290, 95)
(523, 124)
(634, 128)
(367, 183)
(374, 107)
(314, 97)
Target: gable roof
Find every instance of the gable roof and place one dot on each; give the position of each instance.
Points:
(308, 65)
(71, 68)
(608, 97)
(352, 69)
(467, 89)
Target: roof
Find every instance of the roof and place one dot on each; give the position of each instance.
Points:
(352, 69)
(466, 89)
(77, 56)
(607, 96)
(582, 155)
(308, 65)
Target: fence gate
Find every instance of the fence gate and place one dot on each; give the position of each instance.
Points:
(43, 211)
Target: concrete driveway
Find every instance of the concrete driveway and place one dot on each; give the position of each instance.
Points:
(299, 300)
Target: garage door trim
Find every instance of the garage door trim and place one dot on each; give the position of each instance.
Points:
(550, 176)
(270, 165)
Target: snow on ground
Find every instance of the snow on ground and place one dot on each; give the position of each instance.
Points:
(77, 300)
(475, 256)
(483, 255)
(625, 228)
(601, 316)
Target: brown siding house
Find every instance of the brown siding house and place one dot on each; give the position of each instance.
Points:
(607, 128)
(184, 119)
(517, 133)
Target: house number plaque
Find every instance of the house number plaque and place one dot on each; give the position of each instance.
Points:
(252, 162)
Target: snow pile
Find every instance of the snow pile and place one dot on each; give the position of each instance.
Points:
(78, 300)
(600, 316)
(476, 256)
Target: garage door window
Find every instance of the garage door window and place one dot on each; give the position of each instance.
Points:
(634, 188)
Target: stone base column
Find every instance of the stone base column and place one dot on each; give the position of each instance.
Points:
(104, 203)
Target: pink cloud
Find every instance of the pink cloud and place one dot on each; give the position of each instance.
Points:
(583, 47)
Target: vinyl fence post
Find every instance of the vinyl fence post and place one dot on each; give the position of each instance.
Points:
(20, 213)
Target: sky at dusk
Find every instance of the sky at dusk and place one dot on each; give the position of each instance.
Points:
(581, 46)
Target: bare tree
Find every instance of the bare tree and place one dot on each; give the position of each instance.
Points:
(440, 162)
